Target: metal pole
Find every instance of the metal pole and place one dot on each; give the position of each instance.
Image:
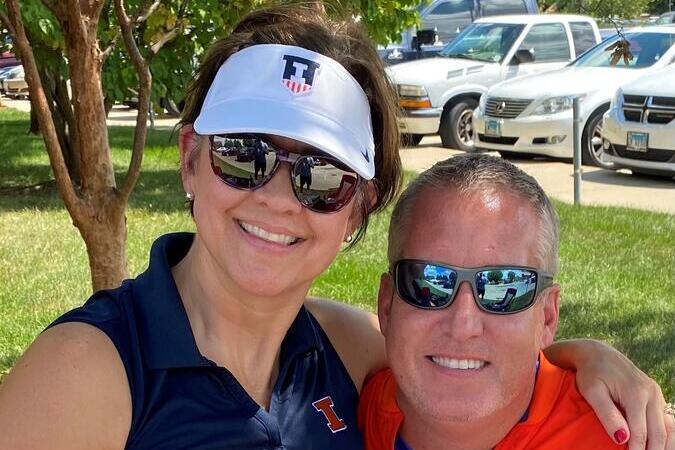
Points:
(577, 151)
(152, 115)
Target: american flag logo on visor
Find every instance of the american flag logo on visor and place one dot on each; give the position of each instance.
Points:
(299, 74)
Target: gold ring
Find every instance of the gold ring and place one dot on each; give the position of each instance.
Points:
(669, 409)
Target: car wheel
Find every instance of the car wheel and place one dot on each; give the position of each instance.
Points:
(516, 155)
(592, 150)
(411, 140)
(457, 126)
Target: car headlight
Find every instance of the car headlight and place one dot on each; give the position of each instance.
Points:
(411, 96)
(482, 102)
(411, 90)
(553, 105)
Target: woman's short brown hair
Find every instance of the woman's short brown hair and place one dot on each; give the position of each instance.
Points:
(343, 41)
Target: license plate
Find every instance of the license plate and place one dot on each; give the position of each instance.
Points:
(638, 142)
(493, 128)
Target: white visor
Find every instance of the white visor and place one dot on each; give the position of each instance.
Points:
(296, 93)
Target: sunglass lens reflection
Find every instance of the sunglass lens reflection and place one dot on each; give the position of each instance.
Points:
(321, 185)
(247, 162)
(242, 162)
(506, 290)
(426, 285)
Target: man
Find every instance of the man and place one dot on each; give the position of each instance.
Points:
(467, 370)
(480, 285)
(304, 170)
(260, 153)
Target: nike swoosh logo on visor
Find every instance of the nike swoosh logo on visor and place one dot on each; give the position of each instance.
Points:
(365, 155)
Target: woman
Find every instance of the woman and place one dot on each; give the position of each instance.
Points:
(212, 347)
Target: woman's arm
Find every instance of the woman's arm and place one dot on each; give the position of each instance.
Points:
(68, 391)
(610, 382)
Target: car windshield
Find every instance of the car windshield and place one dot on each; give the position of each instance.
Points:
(646, 48)
(666, 18)
(484, 41)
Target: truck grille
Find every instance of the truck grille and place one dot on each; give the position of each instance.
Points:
(655, 110)
(507, 108)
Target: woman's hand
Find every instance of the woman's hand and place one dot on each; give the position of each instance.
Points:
(611, 383)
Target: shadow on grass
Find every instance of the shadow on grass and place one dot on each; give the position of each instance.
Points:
(25, 164)
(17, 143)
(156, 190)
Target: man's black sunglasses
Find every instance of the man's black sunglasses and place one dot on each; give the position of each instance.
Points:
(496, 289)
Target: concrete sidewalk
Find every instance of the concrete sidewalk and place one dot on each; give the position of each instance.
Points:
(119, 116)
(599, 187)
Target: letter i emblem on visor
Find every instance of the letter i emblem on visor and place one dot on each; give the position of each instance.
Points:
(325, 406)
(299, 74)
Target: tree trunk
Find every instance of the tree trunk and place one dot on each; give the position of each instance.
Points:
(108, 105)
(62, 112)
(105, 236)
(95, 204)
(34, 124)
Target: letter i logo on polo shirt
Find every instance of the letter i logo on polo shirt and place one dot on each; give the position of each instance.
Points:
(325, 406)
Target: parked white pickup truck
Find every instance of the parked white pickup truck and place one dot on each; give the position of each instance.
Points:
(533, 115)
(639, 128)
(438, 95)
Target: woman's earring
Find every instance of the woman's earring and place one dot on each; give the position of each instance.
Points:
(190, 196)
(349, 239)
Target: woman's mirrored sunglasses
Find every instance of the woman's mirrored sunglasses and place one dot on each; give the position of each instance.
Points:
(496, 290)
(248, 161)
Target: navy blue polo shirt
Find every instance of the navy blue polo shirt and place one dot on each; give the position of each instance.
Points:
(182, 400)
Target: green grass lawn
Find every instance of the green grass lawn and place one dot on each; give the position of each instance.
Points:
(617, 264)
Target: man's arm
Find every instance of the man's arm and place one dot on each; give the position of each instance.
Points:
(604, 375)
(355, 335)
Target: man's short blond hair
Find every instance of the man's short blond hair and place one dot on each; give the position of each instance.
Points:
(478, 173)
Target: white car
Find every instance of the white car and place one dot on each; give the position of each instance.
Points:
(533, 115)
(639, 128)
(438, 95)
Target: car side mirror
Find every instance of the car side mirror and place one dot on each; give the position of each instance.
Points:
(522, 56)
(425, 37)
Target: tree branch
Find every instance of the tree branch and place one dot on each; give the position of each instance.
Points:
(63, 181)
(51, 5)
(173, 32)
(111, 46)
(73, 6)
(4, 20)
(166, 37)
(151, 9)
(145, 82)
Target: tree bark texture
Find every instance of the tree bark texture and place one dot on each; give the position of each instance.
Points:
(91, 196)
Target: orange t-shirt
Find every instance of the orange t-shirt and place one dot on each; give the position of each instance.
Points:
(558, 417)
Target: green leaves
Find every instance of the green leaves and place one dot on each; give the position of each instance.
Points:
(199, 23)
(597, 8)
